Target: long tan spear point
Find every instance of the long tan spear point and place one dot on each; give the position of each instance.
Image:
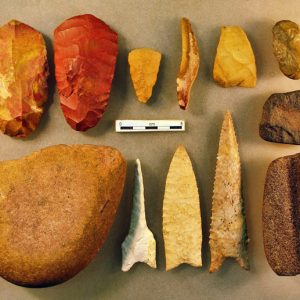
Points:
(228, 234)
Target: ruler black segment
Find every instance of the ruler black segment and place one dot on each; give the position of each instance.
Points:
(151, 127)
(175, 127)
(126, 127)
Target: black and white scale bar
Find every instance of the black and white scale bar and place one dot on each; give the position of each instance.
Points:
(149, 125)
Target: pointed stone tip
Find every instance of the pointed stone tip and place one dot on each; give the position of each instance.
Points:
(216, 264)
(227, 115)
(227, 121)
(14, 22)
(184, 20)
(243, 262)
(181, 150)
(138, 166)
(126, 268)
(228, 135)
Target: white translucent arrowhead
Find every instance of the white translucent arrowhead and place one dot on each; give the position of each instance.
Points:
(139, 245)
(228, 235)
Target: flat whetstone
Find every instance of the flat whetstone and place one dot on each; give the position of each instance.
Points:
(281, 215)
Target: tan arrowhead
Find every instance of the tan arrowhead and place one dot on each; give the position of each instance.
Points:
(228, 235)
(182, 229)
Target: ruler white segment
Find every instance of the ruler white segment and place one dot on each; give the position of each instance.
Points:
(149, 125)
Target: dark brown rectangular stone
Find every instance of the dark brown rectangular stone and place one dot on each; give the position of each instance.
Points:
(281, 215)
(280, 121)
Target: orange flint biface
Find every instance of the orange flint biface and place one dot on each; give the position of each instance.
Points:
(189, 66)
(23, 78)
(85, 53)
(144, 65)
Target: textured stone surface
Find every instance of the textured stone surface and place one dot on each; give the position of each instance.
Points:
(281, 215)
(280, 121)
(286, 47)
(56, 208)
(85, 51)
(182, 225)
(23, 78)
(144, 65)
(189, 65)
(228, 235)
(139, 245)
(235, 62)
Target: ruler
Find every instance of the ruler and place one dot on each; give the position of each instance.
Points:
(149, 125)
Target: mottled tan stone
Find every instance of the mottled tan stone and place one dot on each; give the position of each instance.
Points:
(286, 47)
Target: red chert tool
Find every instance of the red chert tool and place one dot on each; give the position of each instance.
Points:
(85, 51)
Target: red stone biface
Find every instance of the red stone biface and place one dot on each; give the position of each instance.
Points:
(85, 56)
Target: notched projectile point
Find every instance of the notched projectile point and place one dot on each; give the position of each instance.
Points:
(144, 65)
(235, 62)
(286, 47)
(280, 121)
(228, 233)
(23, 78)
(182, 228)
(189, 66)
(139, 245)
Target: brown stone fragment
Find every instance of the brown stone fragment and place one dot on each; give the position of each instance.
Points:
(280, 121)
(286, 47)
(281, 215)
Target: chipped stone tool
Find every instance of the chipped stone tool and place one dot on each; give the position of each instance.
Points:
(182, 229)
(139, 245)
(228, 234)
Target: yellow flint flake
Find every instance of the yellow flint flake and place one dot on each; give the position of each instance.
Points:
(235, 62)
(144, 65)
